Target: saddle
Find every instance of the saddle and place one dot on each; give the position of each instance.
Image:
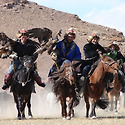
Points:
(80, 64)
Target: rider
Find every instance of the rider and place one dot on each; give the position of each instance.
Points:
(67, 49)
(22, 47)
(116, 55)
(91, 51)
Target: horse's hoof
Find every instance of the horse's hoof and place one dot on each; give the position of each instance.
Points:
(72, 115)
(116, 112)
(93, 117)
(68, 117)
(23, 118)
(19, 118)
(30, 117)
(63, 118)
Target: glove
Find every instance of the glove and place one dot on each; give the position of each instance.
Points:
(13, 56)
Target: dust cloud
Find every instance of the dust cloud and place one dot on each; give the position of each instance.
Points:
(43, 105)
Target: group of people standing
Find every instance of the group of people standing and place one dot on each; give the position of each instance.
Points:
(68, 51)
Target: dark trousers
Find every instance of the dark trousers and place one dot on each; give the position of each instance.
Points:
(86, 70)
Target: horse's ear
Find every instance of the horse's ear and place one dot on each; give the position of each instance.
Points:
(101, 55)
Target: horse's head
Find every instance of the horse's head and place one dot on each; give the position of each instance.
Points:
(109, 62)
(25, 73)
(69, 73)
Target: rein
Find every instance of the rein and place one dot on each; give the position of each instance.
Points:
(109, 64)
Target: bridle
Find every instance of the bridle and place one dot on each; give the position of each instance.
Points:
(109, 64)
(27, 80)
(68, 72)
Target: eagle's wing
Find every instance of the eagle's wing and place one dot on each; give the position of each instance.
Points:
(42, 34)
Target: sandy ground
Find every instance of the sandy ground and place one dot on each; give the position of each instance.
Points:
(47, 111)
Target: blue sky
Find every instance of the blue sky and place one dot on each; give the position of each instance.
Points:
(110, 13)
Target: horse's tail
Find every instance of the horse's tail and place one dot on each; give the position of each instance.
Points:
(76, 101)
(103, 103)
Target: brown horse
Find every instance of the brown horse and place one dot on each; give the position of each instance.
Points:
(64, 88)
(114, 94)
(96, 84)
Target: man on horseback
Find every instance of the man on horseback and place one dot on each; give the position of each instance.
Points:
(116, 55)
(91, 51)
(22, 47)
(67, 49)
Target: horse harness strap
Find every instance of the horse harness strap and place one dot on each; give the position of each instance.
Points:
(28, 80)
(109, 64)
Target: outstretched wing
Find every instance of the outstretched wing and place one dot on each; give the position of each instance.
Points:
(6, 45)
(43, 34)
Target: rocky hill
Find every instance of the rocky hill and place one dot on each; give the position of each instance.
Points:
(19, 14)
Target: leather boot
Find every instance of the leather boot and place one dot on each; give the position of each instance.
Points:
(37, 78)
(7, 81)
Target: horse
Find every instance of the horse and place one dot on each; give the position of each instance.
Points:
(114, 94)
(95, 85)
(64, 88)
(22, 86)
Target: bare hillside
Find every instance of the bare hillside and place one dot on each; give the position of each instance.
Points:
(18, 14)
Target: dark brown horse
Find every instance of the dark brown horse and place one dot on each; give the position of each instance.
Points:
(96, 84)
(22, 86)
(64, 88)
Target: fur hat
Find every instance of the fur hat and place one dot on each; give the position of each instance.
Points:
(94, 35)
(115, 45)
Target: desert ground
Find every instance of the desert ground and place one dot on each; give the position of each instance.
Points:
(47, 111)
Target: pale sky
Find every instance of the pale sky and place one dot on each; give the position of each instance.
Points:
(110, 13)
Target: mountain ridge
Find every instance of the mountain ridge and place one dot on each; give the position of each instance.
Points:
(23, 14)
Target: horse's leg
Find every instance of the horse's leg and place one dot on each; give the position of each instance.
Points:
(116, 102)
(18, 105)
(29, 107)
(93, 113)
(72, 113)
(110, 101)
(86, 98)
(24, 100)
(70, 107)
(124, 100)
(63, 104)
